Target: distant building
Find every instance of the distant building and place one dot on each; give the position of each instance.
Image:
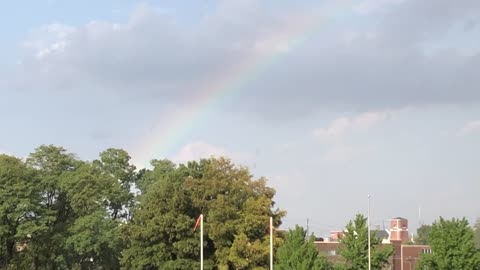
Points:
(399, 229)
(405, 257)
(335, 236)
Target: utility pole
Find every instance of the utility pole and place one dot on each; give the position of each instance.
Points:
(368, 220)
(420, 223)
(308, 231)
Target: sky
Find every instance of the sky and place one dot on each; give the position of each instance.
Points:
(330, 100)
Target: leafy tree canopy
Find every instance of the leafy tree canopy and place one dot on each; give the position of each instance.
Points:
(300, 253)
(453, 246)
(354, 248)
(422, 234)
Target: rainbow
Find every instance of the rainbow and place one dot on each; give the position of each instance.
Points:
(224, 87)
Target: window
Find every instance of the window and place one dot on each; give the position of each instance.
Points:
(426, 250)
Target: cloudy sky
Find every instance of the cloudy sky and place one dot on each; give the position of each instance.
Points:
(331, 100)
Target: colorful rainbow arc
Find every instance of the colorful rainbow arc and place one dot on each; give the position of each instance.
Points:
(225, 87)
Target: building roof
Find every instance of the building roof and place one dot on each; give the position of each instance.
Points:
(382, 234)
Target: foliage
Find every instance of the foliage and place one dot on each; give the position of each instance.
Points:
(477, 233)
(422, 235)
(19, 208)
(236, 210)
(160, 234)
(453, 246)
(60, 212)
(354, 247)
(299, 253)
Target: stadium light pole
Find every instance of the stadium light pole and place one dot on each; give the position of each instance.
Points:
(368, 220)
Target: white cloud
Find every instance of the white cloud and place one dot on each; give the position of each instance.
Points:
(328, 60)
(370, 119)
(49, 39)
(472, 127)
(342, 126)
(340, 153)
(338, 128)
(199, 150)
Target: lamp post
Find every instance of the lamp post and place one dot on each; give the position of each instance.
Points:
(368, 220)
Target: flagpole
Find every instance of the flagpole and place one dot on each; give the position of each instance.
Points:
(271, 243)
(201, 242)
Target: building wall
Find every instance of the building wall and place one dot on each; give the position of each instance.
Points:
(408, 255)
(330, 250)
(336, 235)
(399, 230)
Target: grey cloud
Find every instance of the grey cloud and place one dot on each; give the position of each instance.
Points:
(373, 77)
(412, 21)
(150, 53)
(153, 55)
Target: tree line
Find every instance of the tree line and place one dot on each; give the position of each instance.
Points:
(60, 212)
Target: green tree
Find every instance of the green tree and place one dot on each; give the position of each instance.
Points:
(51, 165)
(59, 212)
(453, 246)
(161, 169)
(92, 234)
(83, 204)
(422, 234)
(477, 233)
(236, 212)
(237, 209)
(300, 253)
(160, 233)
(19, 209)
(119, 175)
(354, 247)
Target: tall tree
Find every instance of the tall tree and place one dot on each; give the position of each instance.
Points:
(161, 169)
(477, 233)
(422, 234)
(237, 210)
(354, 247)
(59, 212)
(83, 205)
(19, 209)
(453, 246)
(93, 233)
(114, 165)
(300, 253)
(51, 165)
(160, 233)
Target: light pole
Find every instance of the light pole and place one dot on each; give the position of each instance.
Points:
(368, 220)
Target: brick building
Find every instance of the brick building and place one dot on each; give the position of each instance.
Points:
(405, 256)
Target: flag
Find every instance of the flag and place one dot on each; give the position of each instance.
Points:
(196, 224)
